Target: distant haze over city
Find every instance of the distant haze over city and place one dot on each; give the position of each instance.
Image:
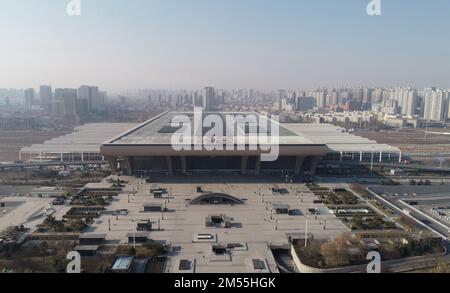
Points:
(226, 44)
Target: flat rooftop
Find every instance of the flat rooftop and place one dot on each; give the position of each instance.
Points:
(337, 138)
(159, 131)
(86, 138)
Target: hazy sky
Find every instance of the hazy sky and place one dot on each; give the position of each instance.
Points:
(124, 44)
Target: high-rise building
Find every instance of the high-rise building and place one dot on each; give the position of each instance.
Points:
(95, 98)
(58, 102)
(377, 95)
(198, 101)
(209, 98)
(319, 97)
(84, 98)
(448, 103)
(357, 94)
(367, 95)
(82, 107)
(29, 99)
(407, 100)
(46, 96)
(102, 97)
(390, 107)
(303, 104)
(281, 95)
(435, 105)
(220, 98)
(70, 102)
(334, 98)
(66, 104)
(410, 103)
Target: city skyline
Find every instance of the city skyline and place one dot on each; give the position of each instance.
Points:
(396, 104)
(247, 44)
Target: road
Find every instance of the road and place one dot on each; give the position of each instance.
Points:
(399, 206)
(411, 263)
(376, 179)
(390, 165)
(415, 263)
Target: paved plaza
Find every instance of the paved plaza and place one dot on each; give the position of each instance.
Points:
(20, 211)
(254, 224)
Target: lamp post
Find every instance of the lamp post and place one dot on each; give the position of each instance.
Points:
(371, 162)
(306, 233)
(134, 232)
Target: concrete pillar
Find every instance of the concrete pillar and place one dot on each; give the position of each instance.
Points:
(128, 166)
(82, 157)
(183, 165)
(381, 157)
(298, 165)
(169, 165)
(244, 161)
(113, 164)
(258, 165)
(400, 157)
(360, 156)
(314, 163)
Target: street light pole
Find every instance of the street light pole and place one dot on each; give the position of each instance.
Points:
(371, 162)
(134, 234)
(306, 233)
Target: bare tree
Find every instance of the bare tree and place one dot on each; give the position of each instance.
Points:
(335, 252)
